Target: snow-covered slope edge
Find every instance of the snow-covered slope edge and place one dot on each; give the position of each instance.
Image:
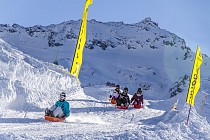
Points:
(172, 126)
(29, 84)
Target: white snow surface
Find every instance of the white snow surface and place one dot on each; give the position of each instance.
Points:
(28, 86)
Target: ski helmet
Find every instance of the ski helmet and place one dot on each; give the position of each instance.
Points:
(139, 91)
(126, 88)
(63, 95)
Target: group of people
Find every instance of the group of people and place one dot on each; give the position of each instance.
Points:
(122, 98)
(61, 107)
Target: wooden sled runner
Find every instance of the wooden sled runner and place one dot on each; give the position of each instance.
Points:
(54, 119)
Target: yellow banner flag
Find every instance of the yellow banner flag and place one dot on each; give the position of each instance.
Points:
(195, 78)
(77, 60)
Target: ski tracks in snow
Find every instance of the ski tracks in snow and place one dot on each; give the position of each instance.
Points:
(92, 116)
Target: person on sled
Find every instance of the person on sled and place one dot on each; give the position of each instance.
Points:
(137, 98)
(116, 93)
(60, 109)
(123, 99)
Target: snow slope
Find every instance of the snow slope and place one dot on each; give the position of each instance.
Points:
(28, 86)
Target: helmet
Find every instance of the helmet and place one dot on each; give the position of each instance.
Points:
(126, 88)
(125, 91)
(139, 91)
(117, 86)
(63, 95)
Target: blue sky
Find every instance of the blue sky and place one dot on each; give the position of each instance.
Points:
(188, 19)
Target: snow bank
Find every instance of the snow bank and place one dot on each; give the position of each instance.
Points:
(172, 125)
(28, 84)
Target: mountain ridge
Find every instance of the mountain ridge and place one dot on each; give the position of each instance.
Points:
(109, 48)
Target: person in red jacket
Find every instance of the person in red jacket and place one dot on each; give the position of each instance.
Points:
(137, 98)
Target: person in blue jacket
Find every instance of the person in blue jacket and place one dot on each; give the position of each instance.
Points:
(60, 109)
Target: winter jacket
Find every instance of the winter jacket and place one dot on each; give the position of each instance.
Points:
(64, 106)
(123, 98)
(137, 99)
(115, 94)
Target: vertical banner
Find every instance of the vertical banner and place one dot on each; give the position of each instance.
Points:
(77, 60)
(195, 78)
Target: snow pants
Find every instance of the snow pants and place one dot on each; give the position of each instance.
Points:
(57, 111)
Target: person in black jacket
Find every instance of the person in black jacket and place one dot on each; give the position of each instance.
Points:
(137, 98)
(123, 98)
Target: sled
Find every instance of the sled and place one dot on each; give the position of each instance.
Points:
(113, 101)
(137, 106)
(53, 119)
(122, 107)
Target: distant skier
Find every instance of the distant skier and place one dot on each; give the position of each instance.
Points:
(115, 93)
(137, 98)
(60, 109)
(123, 99)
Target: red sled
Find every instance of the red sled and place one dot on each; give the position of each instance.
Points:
(122, 107)
(53, 119)
(137, 106)
(113, 101)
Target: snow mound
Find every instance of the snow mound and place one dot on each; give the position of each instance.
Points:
(28, 84)
(173, 125)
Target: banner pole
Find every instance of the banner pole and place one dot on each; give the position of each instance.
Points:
(188, 115)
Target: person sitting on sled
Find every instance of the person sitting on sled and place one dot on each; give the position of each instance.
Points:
(116, 93)
(60, 109)
(123, 98)
(137, 98)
